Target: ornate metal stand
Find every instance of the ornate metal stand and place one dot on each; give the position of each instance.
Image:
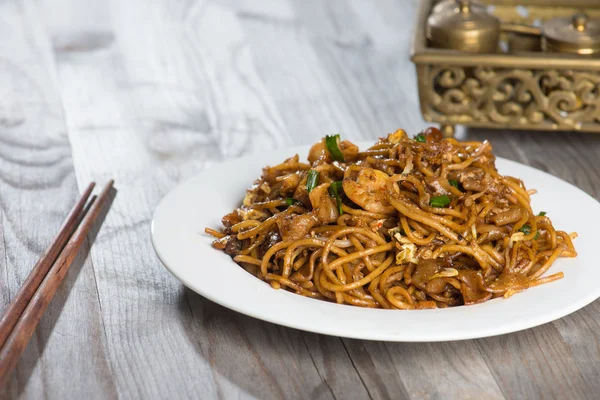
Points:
(534, 90)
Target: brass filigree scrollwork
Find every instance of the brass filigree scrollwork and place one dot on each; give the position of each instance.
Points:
(545, 98)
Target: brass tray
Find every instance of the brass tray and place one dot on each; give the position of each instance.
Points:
(528, 90)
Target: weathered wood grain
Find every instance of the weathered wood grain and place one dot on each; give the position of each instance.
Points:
(211, 105)
(37, 189)
(140, 301)
(150, 92)
(535, 364)
(260, 359)
(580, 332)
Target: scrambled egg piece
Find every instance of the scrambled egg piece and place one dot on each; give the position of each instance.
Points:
(407, 250)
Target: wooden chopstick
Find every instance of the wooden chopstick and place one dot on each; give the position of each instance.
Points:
(39, 271)
(27, 322)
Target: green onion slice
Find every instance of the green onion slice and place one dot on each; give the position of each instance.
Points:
(542, 213)
(420, 138)
(454, 183)
(312, 180)
(335, 188)
(526, 229)
(439, 201)
(290, 201)
(332, 144)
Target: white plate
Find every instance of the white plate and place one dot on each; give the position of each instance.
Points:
(179, 240)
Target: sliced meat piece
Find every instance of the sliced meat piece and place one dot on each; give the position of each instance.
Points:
(493, 232)
(471, 286)
(425, 270)
(294, 227)
(231, 219)
(272, 238)
(233, 246)
(324, 206)
(512, 215)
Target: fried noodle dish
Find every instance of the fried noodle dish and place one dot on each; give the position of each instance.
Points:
(406, 224)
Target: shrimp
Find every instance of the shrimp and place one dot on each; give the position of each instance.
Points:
(367, 189)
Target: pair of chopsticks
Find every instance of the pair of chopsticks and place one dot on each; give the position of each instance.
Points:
(24, 313)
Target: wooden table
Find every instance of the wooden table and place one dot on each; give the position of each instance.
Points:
(152, 92)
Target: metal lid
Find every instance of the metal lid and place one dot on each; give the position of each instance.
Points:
(446, 6)
(465, 27)
(577, 34)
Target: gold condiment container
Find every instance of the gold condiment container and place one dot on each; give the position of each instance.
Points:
(465, 27)
(546, 81)
(574, 35)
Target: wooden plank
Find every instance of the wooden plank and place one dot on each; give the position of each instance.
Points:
(364, 48)
(349, 74)
(377, 369)
(336, 367)
(308, 103)
(37, 189)
(145, 310)
(451, 370)
(580, 331)
(535, 363)
(262, 360)
(148, 121)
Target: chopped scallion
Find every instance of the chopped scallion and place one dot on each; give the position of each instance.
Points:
(312, 180)
(454, 183)
(290, 201)
(335, 188)
(439, 201)
(332, 144)
(526, 229)
(542, 213)
(420, 138)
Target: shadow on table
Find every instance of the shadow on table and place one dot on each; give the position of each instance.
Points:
(258, 358)
(220, 336)
(271, 361)
(33, 353)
